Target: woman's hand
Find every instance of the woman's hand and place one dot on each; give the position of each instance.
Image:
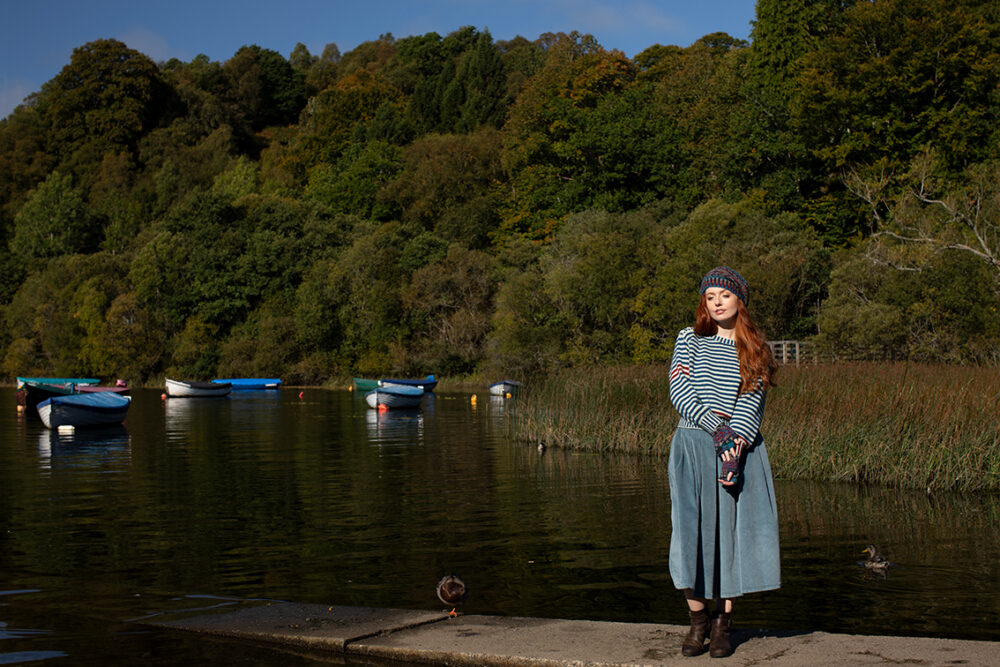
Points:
(733, 454)
(741, 444)
(736, 451)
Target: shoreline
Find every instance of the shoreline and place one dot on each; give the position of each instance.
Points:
(432, 637)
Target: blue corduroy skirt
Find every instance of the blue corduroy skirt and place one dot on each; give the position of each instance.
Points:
(724, 540)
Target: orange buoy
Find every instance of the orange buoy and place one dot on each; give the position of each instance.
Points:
(382, 407)
(300, 394)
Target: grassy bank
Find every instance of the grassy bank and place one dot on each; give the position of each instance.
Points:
(906, 425)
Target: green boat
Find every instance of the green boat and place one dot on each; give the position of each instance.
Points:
(31, 390)
(363, 384)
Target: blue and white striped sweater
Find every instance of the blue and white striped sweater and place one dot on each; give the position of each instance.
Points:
(705, 386)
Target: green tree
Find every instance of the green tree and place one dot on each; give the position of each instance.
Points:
(317, 301)
(542, 162)
(105, 99)
(589, 272)
(55, 319)
(947, 311)
(933, 215)
(263, 345)
(482, 78)
(265, 87)
(697, 94)
(323, 72)
(53, 221)
(450, 303)
(24, 162)
(368, 306)
(240, 179)
(527, 329)
(388, 125)
(897, 80)
(112, 204)
(330, 121)
(189, 266)
(446, 185)
(195, 351)
(353, 184)
(300, 59)
(131, 341)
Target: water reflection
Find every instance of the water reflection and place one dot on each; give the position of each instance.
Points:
(943, 550)
(395, 427)
(181, 411)
(106, 448)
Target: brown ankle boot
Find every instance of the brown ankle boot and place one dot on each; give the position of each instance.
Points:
(718, 644)
(694, 643)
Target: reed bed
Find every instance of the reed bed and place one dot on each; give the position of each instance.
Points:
(923, 426)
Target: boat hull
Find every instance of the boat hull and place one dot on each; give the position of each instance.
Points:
(390, 397)
(250, 384)
(183, 389)
(31, 393)
(364, 384)
(83, 410)
(427, 384)
(505, 387)
(97, 389)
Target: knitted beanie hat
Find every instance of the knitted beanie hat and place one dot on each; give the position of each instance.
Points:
(726, 278)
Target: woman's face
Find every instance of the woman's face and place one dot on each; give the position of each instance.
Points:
(722, 306)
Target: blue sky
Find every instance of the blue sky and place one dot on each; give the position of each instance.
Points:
(37, 37)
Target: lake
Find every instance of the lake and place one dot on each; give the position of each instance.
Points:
(320, 499)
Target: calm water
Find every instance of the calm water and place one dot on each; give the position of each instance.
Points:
(319, 499)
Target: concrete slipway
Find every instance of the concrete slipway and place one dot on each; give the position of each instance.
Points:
(359, 635)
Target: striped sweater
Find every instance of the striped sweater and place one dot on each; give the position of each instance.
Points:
(705, 383)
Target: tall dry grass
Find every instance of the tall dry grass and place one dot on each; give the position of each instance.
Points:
(898, 424)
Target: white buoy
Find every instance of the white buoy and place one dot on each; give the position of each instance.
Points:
(66, 428)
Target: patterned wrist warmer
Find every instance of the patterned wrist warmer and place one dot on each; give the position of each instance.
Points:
(723, 438)
(722, 435)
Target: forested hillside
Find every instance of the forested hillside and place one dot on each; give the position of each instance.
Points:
(455, 203)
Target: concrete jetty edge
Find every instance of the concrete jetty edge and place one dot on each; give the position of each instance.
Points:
(429, 637)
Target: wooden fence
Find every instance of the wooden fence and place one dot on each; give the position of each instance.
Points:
(794, 352)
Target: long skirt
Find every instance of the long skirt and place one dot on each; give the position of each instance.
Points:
(724, 540)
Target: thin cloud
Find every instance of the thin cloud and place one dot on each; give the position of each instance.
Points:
(148, 42)
(13, 94)
(615, 16)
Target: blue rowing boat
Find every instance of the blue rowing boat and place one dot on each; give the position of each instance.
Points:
(388, 396)
(427, 384)
(77, 410)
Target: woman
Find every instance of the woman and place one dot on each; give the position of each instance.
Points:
(724, 539)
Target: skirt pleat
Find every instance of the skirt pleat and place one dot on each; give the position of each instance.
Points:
(724, 540)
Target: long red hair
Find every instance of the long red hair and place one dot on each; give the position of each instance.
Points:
(757, 364)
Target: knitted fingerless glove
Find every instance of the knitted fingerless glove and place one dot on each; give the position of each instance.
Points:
(723, 438)
(722, 435)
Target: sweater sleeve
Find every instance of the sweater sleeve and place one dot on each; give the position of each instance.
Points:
(748, 412)
(683, 394)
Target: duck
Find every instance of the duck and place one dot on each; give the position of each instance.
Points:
(452, 591)
(875, 560)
